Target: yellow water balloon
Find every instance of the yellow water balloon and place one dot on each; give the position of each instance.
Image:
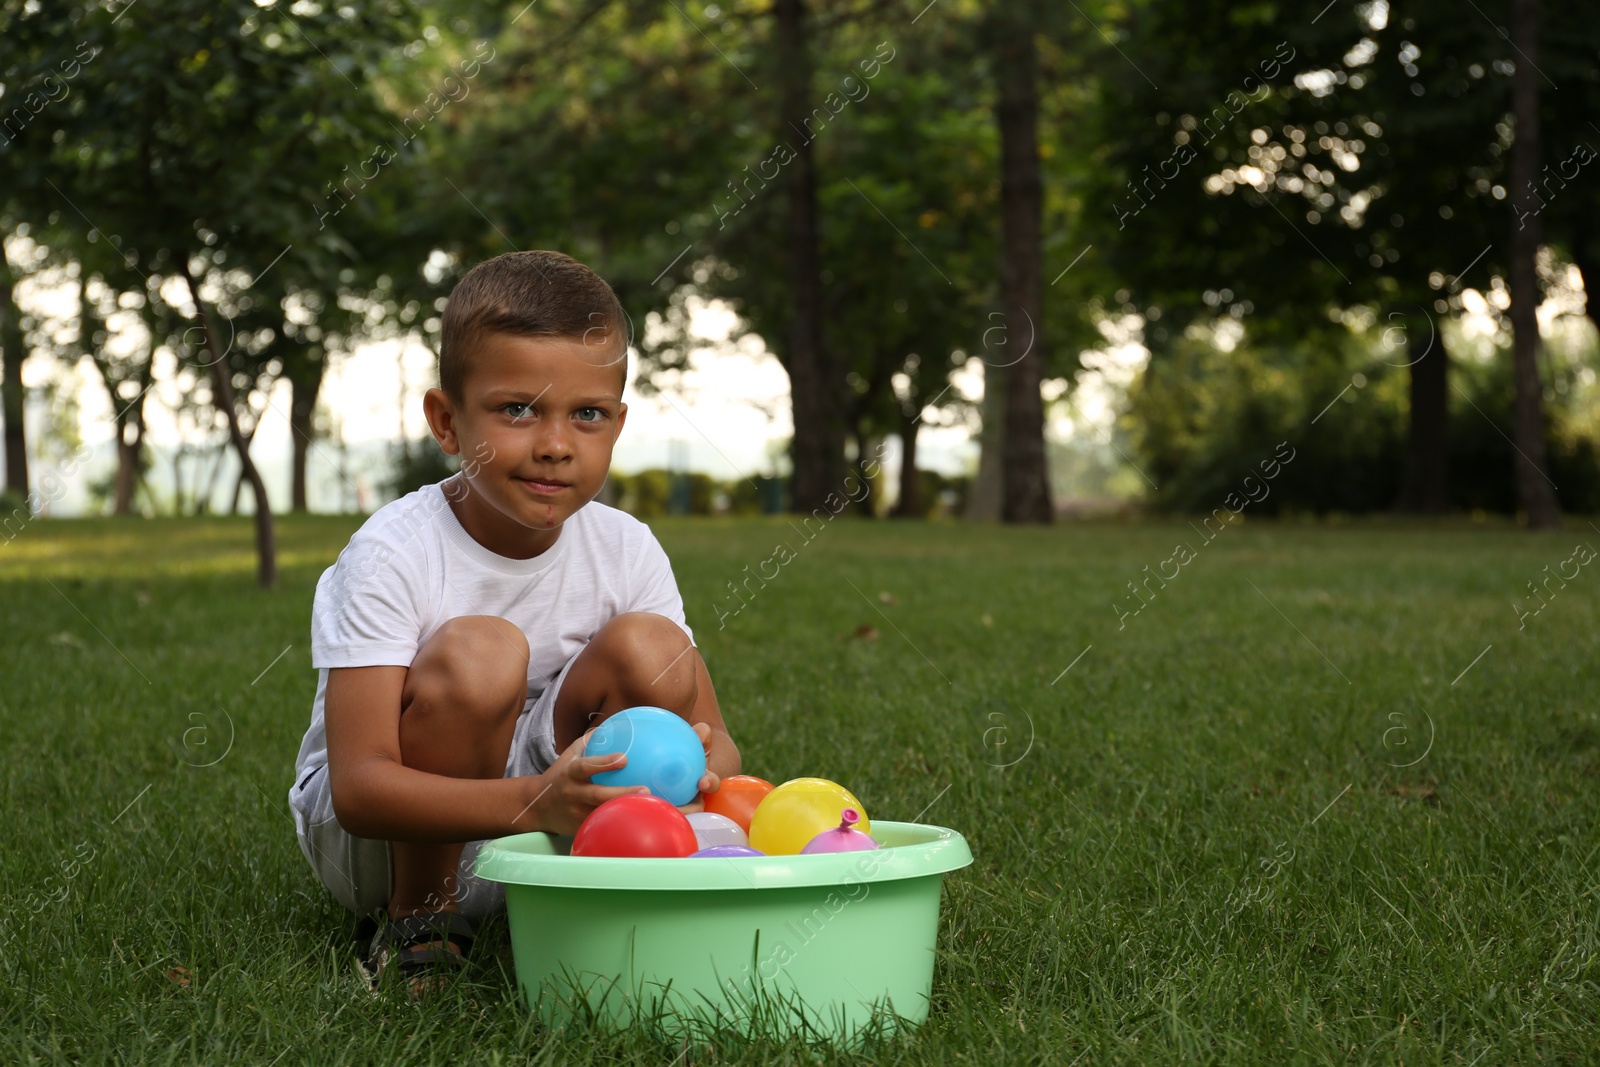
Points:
(792, 814)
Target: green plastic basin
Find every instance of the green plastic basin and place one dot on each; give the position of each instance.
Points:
(782, 944)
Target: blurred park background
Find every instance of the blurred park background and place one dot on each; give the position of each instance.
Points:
(1042, 258)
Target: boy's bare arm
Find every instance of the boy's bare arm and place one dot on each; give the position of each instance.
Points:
(376, 795)
(722, 755)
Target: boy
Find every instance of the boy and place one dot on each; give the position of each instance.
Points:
(472, 632)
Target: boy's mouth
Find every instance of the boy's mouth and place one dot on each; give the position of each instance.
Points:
(543, 487)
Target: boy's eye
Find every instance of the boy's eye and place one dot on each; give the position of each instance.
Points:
(590, 414)
(518, 411)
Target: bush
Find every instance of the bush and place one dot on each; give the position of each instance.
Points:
(415, 464)
(644, 495)
(761, 495)
(655, 492)
(941, 496)
(1202, 420)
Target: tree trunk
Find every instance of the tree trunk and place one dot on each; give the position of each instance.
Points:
(238, 481)
(909, 506)
(1425, 484)
(299, 448)
(207, 468)
(872, 505)
(177, 481)
(304, 388)
(131, 458)
(983, 497)
(1025, 481)
(127, 473)
(222, 384)
(130, 442)
(817, 448)
(127, 413)
(1535, 493)
(13, 350)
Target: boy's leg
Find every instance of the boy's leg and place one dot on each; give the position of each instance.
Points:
(636, 658)
(459, 707)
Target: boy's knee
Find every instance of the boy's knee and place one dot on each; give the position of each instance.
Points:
(474, 668)
(652, 657)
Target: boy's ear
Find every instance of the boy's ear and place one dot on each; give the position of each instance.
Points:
(436, 405)
(622, 419)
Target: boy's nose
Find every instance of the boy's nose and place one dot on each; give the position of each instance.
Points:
(553, 443)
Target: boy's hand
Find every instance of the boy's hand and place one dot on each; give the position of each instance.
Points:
(564, 796)
(709, 782)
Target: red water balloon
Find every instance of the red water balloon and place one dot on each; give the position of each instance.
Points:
(635, 825)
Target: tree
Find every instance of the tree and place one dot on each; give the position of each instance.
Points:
(13, 351)
(230, 121)
(1026, 496)
(818, 444)
(606, 130)
(1534, 489)
(377, 233)
(905, 309)
(304, 365)
(1304, 168)
(1039, 67)
(1571, 143)
(127, 380)
(31, 81)
(676, 177)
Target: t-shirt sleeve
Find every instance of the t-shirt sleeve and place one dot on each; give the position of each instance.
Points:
(368, 609)
(653, 587)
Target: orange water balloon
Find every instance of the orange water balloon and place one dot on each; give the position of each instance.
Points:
(738, 798)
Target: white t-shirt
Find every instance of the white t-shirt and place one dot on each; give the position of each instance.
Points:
(412, 567)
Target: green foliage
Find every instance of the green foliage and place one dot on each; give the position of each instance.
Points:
(942, 496)
(234, 120)
(761, 495)
(1349, 187)
(1480, 447)
(1094, 476)
(1276, 168)
(673, 180)
(1203, 418)
(602, 130)
(1187, 174)
(643, 495)
(414, 464)
(656, 492)
(908, 238)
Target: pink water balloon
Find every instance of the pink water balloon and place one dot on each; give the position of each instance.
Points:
(842, 838)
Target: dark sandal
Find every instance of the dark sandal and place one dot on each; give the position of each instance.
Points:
(422, 948)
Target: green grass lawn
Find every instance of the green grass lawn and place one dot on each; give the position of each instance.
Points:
(1205, 847)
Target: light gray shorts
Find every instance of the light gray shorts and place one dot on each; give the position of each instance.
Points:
(356, 869)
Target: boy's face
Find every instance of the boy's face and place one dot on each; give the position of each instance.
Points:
(534, 428)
